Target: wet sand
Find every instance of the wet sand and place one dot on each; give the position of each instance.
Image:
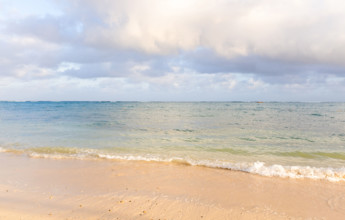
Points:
(32, 188)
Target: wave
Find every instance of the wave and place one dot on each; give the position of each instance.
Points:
(312, 155)
(259, 168)
(295, 172)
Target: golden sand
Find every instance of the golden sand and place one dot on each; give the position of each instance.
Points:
(32, 188)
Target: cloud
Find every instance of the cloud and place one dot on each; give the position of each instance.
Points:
(54, 29)
(270, 70)
(226, 47)
(308, 31)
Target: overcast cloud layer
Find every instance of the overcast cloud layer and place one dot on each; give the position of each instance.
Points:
(172, 50)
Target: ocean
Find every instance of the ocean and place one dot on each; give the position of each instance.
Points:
(295, 140)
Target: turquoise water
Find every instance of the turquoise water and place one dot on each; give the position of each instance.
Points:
(297, 140)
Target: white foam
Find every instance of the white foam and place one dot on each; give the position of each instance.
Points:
(57, 156)
(140, 158)
(295, 172)
(260, 168)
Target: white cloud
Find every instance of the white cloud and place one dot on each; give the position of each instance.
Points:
(307, 31)
(64, 66)
(173, 50)
(255, 84)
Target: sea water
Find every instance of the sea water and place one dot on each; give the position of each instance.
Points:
(296, 140)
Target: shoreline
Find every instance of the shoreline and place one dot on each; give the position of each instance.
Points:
(37, 188)
(306, 171)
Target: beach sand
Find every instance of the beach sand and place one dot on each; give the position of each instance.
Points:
(33, 188)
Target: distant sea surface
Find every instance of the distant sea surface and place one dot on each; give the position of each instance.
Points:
(296, 140)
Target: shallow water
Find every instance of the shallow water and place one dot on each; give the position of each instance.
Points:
(274, 139)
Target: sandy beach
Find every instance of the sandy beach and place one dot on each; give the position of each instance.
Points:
(172, 110)
(34, 188)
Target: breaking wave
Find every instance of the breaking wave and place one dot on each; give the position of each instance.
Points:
(260, 168)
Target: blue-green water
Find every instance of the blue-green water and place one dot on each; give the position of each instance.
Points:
(273, 139)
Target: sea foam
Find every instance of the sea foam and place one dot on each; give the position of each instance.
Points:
(259, 168)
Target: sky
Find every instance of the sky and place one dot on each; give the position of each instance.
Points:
(172, 50)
